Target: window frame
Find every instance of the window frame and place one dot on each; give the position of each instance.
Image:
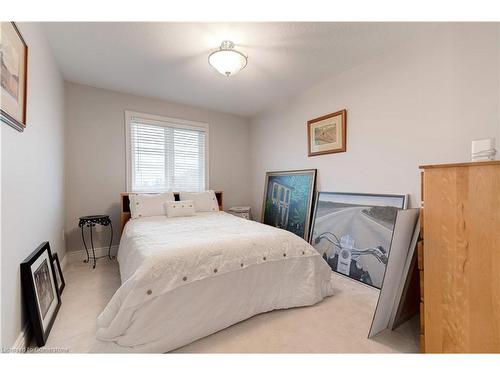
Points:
(165, 122)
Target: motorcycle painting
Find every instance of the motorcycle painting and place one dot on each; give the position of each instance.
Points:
(354, 232)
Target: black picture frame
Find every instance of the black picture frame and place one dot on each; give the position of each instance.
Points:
(58, 273)
(39, 288)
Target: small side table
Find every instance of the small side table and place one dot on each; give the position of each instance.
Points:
(243, 212)
(90, 222)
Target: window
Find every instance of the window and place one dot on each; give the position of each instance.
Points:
(165, 154)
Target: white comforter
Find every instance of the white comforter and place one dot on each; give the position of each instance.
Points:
(185, 278)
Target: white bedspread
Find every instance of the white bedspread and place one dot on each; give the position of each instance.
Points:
(185, 278)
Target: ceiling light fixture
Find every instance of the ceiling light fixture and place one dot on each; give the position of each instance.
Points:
(226, 60)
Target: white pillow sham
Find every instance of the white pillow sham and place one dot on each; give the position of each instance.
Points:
(144, 205)
(203, 202)
(180, 208)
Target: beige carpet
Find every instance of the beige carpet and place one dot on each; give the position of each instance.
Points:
(339, 324)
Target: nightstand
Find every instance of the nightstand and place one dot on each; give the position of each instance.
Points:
(243, 212)
(90, 222)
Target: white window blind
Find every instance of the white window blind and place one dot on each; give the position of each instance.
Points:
(166, 154)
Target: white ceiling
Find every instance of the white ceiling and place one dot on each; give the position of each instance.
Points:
(170, 60)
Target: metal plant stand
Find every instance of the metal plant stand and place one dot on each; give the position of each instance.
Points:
(90, 222)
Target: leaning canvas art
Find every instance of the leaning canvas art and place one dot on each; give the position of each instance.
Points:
(288, 199)
(353, 232)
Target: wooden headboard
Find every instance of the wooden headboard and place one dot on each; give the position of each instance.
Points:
(125, 206)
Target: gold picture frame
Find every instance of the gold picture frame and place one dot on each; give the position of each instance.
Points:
(14, 76)
(327, 134)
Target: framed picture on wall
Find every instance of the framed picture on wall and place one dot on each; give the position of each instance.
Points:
(14, 73)
(288, 199)
(327, 134)
(41, 293)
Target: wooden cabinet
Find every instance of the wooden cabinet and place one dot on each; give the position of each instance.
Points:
(459, 258)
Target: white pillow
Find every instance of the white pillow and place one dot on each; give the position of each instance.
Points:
(180, 208)
(203, 202)
(144, 205)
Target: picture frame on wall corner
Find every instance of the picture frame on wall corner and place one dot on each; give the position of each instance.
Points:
(327, 134)
(14, 76)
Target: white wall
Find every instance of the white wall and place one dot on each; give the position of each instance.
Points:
(32, 178)
(95, 152)
(422, 103)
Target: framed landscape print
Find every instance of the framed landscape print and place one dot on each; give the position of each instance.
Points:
(40, 291)
(354, 232)
(327, 134)
(13, 72)
(288, 199)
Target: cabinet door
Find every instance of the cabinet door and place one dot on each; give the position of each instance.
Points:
(462, 259)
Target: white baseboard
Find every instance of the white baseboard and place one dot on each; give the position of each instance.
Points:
(23, 340)
(80, 255)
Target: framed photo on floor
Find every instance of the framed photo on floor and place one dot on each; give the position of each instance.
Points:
(327, 134)
(354, 232)
(40, 291)
(288, 200)
(14, 73)
(58, 273)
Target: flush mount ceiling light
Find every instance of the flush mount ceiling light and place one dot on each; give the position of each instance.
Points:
(226, 60)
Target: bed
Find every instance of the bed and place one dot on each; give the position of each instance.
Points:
(185, 278)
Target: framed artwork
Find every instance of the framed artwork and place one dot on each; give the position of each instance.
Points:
(40, 291)
(288, 199)
(354, 232)
(14, 73)
(58, 273)
(327, 134)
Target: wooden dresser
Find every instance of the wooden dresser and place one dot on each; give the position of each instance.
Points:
(459, 258)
